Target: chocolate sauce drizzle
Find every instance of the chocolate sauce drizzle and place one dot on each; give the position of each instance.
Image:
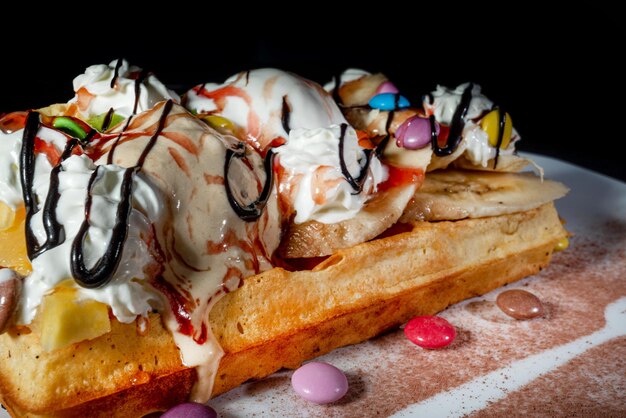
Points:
(501, 123)
(108, 118)
(286, 115)
(140, 78)
(357, 184)
(252, 211)
(116, 73)
(106, 266)
(456, 126)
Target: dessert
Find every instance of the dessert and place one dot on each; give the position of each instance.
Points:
(173, 249)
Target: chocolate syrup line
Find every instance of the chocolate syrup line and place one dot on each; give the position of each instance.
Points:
(456, 126)
(253, 210)
(501, 124)
(357, 184)
(108, 118)
(55, 233)
(140, 78)
(116, 74)
(106, 266)
(201, 88)
(27, 174)
(247, 77)
(286, 115)
(167, 108)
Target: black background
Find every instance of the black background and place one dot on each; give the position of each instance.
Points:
(558, 76)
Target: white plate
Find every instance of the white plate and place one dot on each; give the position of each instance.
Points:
(568, 363)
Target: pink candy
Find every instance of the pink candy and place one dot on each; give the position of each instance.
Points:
(430, 332)
(387, 87)
(415, 133)
(190, 410)
(319, 382)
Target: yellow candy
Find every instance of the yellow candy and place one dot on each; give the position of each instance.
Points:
(219, 123)
(562, 244)
(491, 124)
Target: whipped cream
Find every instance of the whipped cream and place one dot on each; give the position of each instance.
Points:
(253, 100)
(126, 293)
(10, 186)
(347, 76)
(475, 144)
(314, 181)
(95, 96)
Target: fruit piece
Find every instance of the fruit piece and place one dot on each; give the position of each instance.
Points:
(13, 243)
(69, 126)
(491, 125)
(96, 122)
(519, 304)
(430, 332)
(190, 410)
(319, 382)
(457, 194)
(7, 216)
(66, 320)
(12, 122)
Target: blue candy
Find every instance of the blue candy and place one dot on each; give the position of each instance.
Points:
(388, 101)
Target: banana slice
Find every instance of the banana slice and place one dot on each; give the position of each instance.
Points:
(315, 239)
(458, 194)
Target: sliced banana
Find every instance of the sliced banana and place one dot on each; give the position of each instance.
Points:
(315, 239)
(458, 194)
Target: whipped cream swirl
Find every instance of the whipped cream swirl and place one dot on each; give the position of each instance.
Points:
(127, 293)
(126, 89)
(475, 145)
(314, 182)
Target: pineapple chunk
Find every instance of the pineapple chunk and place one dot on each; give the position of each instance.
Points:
(12, 240)
(7, 216)
(66, 320)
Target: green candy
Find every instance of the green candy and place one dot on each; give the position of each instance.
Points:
(97, 121)
(70, 127)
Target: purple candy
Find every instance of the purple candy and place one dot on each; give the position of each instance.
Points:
(387, 87)
(190, 410)
(319, 382)
(414, 133)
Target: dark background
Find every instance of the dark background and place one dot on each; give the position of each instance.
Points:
(556, 75)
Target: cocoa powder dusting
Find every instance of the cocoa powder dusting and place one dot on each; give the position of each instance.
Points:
(389, 373)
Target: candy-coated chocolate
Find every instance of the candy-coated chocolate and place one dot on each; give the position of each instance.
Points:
(519, 304)
(10, 285)
(562, 244)
(190, 410)
(415, 133)
(491, 124)
(387, 87)
(388, 101)
(319, 382)
(430, 332)
(218, 122)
